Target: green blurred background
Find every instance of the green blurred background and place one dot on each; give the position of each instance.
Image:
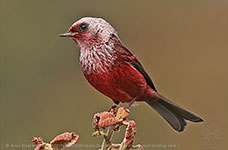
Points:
(182, 44)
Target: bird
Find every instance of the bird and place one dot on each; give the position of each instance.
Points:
(115, 71)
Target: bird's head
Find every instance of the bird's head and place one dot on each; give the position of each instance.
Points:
(88, 31)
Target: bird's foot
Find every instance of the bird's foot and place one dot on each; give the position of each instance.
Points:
(131, 103)
(135, 104)
(113, 108)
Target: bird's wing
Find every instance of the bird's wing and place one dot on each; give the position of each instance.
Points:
(140, 68)
(127, 56)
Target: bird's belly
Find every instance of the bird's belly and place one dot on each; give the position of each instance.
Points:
(120, 83)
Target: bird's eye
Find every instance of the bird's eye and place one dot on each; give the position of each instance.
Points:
(84, 26)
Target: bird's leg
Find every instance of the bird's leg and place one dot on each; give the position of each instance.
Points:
(131, 102)
(114, 106)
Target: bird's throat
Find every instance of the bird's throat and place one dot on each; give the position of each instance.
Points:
(96, 59)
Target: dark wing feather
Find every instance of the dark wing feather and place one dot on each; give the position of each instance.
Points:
(126, 55)
(140, 68)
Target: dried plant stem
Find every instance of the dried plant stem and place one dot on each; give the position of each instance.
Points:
(107, 122)
(107, 138)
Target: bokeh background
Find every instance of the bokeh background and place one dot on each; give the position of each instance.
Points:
(182, 44)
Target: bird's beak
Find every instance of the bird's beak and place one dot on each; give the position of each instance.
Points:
(68, 34)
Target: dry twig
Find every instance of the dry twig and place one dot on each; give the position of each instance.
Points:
(67, 139)
(112, 120)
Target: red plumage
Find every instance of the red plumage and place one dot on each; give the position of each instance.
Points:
(118, 79)
(114, 71)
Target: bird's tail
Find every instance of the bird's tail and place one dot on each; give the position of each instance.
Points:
(173, 114)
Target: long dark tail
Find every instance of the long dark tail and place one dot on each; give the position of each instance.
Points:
(173, 114)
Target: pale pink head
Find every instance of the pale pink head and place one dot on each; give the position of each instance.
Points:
(88, 31)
